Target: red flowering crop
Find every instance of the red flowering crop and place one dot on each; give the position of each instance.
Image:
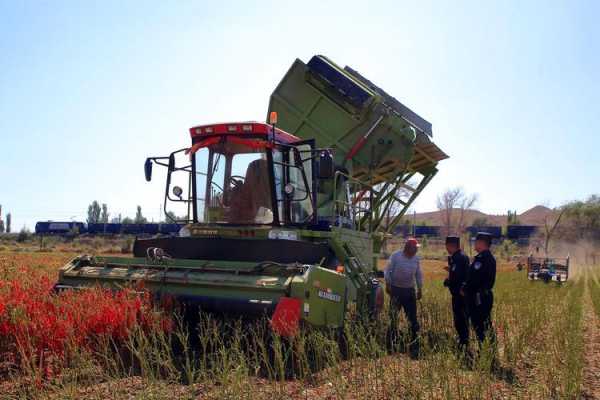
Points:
(39, 325)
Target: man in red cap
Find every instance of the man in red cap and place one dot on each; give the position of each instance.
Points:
(401, 274)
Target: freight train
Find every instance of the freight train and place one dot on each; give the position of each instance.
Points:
(66, 228)
(519, 233)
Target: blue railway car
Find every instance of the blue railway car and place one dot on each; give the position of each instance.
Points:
(402, 230)
(150, 229)
(132, 229)
(515, 232)
(59, 228)
(495, 231)
(96, 229)
(62, 228)
(429, 231)
(169, 229)
(104, 229)
(417, 231)
(114, 228)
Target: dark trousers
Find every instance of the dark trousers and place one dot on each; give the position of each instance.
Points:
(461, 322)
(480, 313)
(405, 299)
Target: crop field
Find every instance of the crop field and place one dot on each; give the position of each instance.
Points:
(96, 344)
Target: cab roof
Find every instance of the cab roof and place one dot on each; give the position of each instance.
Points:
(241, 128)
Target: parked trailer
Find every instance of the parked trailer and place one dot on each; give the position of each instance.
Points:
(548, 269)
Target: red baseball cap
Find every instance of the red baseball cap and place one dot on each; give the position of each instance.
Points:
(413, 242)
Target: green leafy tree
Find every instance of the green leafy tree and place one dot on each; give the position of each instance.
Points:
(139, 218)
(582, 219)
(104, 214)
(127, 220)
(23, 235)
(512, 219)
(507, 249)
(93, 213)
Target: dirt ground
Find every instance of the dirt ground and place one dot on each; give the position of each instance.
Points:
(591, 371)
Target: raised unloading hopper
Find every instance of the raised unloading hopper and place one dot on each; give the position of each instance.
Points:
(374, 136)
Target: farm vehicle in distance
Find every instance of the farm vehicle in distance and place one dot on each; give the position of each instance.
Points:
(548, 269)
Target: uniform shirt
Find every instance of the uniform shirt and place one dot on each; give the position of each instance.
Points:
(403, 272)
(458, 265)
(482, 273)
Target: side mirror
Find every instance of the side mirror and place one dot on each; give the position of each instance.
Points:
(172, 162)
(325, 168)
(148, 169)
(177, 191)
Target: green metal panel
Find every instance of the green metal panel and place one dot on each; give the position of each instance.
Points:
(323, 295)
(359, 243)
(178, 277)
(376, 139)
(312, 110)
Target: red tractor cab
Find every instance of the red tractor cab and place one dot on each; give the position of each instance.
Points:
(245, 173)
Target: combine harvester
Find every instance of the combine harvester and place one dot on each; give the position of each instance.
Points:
(285, 218)
(548, 269)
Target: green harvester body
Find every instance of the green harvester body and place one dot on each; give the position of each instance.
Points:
(342, 165)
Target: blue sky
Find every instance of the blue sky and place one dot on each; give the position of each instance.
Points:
(89, 89)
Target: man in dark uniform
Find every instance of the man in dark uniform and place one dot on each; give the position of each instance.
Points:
(477, 289)
(458, 264)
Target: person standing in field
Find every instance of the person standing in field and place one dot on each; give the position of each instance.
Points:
(401, 274)
(458, 264)
(477, 289)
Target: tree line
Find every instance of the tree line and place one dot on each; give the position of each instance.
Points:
(580, 220)
(98, 214)
(572, 222)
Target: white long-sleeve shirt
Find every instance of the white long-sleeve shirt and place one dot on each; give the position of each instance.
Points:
(403, 272)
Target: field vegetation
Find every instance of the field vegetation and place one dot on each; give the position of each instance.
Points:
(100, 345)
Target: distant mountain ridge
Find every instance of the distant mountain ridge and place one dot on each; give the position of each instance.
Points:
(533, 216)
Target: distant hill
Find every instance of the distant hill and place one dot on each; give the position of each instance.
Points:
(533, 216)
